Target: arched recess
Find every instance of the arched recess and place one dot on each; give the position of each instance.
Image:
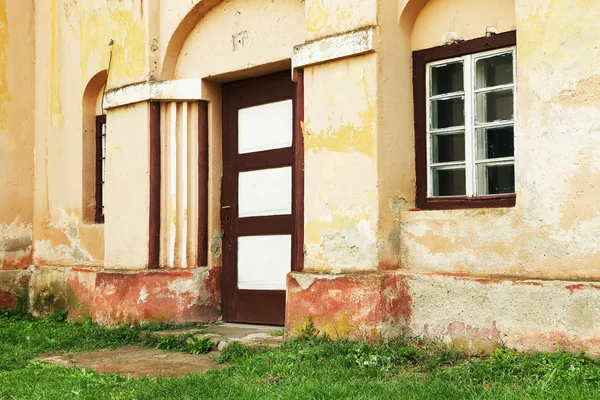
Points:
(468, 19)
(464, 19)
(181, 33)
(267, 31)
(91, 106)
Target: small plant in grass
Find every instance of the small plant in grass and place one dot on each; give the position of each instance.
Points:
(234, 351)
(276, 332)
(199, 345)
(185, 343)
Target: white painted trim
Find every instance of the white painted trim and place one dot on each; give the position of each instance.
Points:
(334, 47)
(173, 90)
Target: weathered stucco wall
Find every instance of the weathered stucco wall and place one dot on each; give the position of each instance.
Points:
(549, 234)
(482, 277)
(71, 49)
(237, 35)
(127, 199)
(16, 134)
(327, 18)
(373, 264)
(340, 127)
(467, 19)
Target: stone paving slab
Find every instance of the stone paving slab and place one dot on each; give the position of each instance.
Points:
(138, 361)
(224, 333)
(141, 361)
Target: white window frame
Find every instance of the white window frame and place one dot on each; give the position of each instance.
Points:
(470, 126)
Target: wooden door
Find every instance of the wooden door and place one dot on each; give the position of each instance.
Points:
(258, 197)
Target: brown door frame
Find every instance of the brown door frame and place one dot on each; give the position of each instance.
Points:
(270, 88)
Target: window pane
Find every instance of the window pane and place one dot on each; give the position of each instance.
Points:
(495, 142)
(447, 78)
(496, 179)
(494, 71)
(449, 182)
(449, 147)
(495, 106)
(447, 113)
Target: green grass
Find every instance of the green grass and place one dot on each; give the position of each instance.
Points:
(311, 367)
(276, 332)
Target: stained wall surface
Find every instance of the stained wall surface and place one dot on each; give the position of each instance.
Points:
(16, 134)
(437, 273)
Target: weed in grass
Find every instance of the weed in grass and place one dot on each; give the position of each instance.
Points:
(186, 343)
(234, 351)
(199, 345)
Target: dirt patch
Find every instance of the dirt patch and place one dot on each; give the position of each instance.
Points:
(137, 362)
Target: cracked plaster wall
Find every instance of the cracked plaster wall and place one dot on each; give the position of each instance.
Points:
(551, 232)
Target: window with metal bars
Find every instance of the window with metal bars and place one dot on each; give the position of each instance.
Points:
(100, 166)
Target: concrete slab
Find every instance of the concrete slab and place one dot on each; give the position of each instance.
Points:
(141, 361)
(224, 333)
(137, 362)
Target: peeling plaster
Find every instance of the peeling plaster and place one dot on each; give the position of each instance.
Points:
(526, 9)
(352, 248)
(16, 240)
(68, 224)
(216, 243)
(143, 295)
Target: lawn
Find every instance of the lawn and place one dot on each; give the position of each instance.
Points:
(310, 367)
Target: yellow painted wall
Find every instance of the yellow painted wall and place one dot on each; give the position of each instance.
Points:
(548, 235)
(16, 133)
(269, 30)
(468, 19)
(71, 48)
(340, 139)
(326, 18)
(127, 203)
(358, 128)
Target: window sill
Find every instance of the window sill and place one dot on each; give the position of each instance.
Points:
(463, 202)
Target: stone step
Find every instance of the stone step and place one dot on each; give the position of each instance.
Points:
(222, 334)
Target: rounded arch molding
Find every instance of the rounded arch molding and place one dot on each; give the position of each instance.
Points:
(183, 30)
(408, 11)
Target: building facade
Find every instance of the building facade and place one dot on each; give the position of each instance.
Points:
(384, 167)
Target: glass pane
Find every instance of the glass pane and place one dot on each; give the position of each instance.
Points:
(449, 182)
(447, 79)
(496, 179)
(264, 261)
(448, 113)
(495, 142)
(449, 147)
(265, 192)
(494, 71)
(265, 127)
(495, 106)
